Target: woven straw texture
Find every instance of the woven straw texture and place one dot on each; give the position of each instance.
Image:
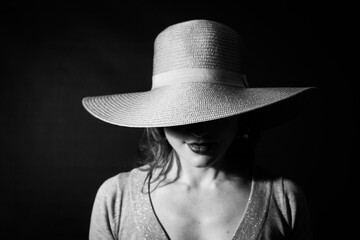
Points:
(191, 103)
(199, 45)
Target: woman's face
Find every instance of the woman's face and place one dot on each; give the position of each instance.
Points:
(202, 144)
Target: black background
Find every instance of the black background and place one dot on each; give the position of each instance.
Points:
(54, 155)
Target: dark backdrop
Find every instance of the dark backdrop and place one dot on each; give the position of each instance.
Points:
(54, 155)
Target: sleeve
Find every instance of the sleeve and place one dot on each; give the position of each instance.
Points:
(298, 213)
(105, 217)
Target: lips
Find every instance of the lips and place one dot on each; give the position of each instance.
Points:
(200, 147)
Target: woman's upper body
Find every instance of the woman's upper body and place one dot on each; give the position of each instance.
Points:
(198, 182)
(206, 192)
(276, 209)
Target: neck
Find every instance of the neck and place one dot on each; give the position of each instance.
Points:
(200, 177)
(208, 176)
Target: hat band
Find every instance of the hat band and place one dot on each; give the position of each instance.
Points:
(188, 75)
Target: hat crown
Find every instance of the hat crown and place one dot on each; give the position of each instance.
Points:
(196, 78)
(197, 44)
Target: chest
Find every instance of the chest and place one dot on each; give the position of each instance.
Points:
(200, 215)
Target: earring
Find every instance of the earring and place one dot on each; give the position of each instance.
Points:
(243, 135)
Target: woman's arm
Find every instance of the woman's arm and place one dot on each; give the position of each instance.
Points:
(104, 222)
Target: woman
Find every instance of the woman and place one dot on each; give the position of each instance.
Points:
(197, 180)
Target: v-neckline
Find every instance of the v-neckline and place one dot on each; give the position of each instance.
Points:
(149, 226)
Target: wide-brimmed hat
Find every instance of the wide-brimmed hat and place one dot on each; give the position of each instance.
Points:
(197, 77)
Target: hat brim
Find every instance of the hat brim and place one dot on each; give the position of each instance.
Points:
(182, 104)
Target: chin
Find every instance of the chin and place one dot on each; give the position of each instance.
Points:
(202, 161)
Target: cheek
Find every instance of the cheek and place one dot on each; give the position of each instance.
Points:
(228, 137)
(228, 131)
(174, 136)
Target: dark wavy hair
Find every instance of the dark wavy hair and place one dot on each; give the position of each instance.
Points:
(155, 152)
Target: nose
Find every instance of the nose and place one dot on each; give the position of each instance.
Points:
(198, 134)
(198, 130)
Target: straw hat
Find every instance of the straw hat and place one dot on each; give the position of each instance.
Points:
(197, 77)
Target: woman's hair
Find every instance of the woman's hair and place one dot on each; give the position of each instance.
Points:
(155, 152)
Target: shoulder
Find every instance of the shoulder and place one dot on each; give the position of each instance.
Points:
(287, 205)
(291, 201)
(286, 194)
(281, 186)
(289, 196)
(114, 184)
(119, 184)
(286, 187)
(113, 190)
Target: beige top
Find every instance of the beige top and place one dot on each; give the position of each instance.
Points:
(276, 210)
